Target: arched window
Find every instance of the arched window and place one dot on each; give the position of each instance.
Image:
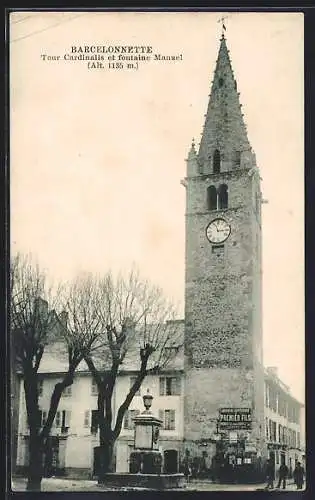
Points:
(216, 162)
(212, 198)
(223, 196)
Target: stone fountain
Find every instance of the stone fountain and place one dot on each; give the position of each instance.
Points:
(146, 459)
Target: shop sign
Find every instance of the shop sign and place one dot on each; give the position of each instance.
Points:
(235, 418)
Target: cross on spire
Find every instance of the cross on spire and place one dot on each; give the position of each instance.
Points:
(221, 20)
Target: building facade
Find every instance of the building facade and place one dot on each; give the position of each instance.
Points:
(283, 423)
(75, 433)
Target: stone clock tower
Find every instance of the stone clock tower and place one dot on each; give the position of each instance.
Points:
(223, 313)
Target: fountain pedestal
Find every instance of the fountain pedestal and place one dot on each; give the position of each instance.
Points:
(146, 459)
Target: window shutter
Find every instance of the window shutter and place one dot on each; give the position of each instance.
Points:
(126, 420)
(162, 386)
(44, 417)
(161, 417)
(94, 390)
(57, 419)
(67, 418)
(178, 386)
(172, 419)
(86, 418)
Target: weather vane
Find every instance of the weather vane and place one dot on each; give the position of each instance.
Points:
(221, 20)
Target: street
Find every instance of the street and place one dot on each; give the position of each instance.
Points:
(61, 484)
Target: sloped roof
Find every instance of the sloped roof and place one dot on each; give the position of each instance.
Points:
(55, 357)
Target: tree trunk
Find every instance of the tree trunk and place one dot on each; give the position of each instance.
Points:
(107, 439)
(105, 459)
(35, 472)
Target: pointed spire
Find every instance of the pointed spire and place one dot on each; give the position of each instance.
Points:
(224, 128)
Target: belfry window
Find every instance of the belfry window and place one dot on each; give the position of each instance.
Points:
(212, 196)
(216, 162)
(223, 196)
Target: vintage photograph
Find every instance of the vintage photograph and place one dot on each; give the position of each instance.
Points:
(157, 251)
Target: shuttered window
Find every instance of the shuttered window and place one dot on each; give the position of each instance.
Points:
(94, 422)
(86, 422)
(58, 419)
(40, 386)
(170, 386)
(168, 419)
(94, 390)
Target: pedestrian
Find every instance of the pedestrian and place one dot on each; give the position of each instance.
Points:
(269, 475)
(187, 471)
(283, 474)
(298, 476)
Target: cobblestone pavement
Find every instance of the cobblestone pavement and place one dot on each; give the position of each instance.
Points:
(61, 484)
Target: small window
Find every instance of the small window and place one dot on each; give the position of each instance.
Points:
(58, 419)
(221, 82)
(40, 386)
(132, 381)
(267, 429)
(43, 418)
(94, 389)
(94, 422)
(86, 422)
(170, 386)
(169, 420)
(237, 159)
(218, 249)
(216, 162)
(65, 420)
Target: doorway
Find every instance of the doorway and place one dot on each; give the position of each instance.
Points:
(170, 461)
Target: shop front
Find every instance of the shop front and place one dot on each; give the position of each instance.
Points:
(237, 459)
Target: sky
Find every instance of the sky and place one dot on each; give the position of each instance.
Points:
(97, 155)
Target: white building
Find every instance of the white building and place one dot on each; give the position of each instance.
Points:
(283, 422)
(75, 434)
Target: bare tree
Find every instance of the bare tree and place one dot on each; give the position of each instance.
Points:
(132, 321)
(34, 325)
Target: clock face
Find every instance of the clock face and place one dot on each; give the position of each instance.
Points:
(218, 231)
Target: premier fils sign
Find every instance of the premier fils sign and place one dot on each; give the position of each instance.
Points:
(235, 419)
